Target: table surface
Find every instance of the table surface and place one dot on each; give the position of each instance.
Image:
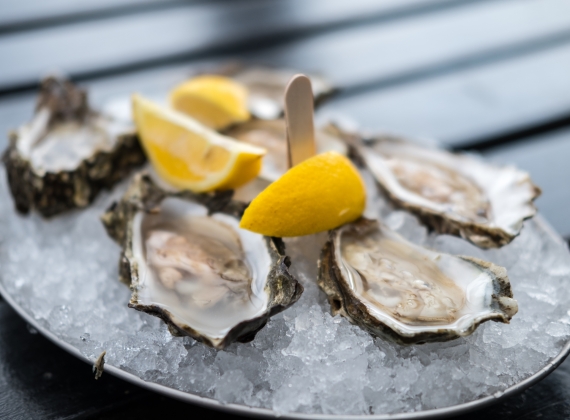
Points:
(485, 75)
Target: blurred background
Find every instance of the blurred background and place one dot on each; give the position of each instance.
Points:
(486, 75)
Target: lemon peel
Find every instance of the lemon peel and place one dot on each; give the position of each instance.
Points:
(215, 101)
(188, 155)
(319, 194)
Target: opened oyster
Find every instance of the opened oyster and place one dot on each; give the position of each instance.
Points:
(272, 135)
(452, 193)
(406, 293)
(266, 87)
(188, 263)
(67, 153)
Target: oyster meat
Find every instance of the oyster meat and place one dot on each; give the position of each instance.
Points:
(188, 262)
(266, 87)
(67, 153)
(453, 193)
(406, 293)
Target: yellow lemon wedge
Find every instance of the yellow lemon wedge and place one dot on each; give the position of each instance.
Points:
(215, 101)
(321, 193)
(190, 156)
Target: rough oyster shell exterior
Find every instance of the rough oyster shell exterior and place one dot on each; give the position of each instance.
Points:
(51, 193)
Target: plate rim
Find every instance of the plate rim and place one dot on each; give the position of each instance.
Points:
(258, 412)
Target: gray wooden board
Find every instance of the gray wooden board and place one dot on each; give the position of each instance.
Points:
(18, 12)
(151, 35)
(396, 51)
(475, 103)
(546, 159)
(370, 53)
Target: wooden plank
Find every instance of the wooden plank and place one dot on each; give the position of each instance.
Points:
(395, 52)
(389, 51)
(385, 53)
(475, 103)
(23, 12)
(546, 159)
(187, 29)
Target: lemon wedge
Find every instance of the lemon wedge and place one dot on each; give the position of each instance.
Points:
(321, 193)
(190, 156)
(215, 101)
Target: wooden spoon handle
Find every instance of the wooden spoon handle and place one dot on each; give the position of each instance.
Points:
(299, 119)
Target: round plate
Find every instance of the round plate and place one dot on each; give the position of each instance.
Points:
(265, 413)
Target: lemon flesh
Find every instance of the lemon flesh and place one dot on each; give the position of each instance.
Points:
(319, 194)
(215, 101)
(188, 155)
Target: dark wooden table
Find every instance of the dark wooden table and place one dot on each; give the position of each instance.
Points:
(489, 75)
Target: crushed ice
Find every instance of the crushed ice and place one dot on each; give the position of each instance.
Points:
(64, 273)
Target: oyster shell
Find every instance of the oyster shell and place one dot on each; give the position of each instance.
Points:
(266, 87)
(67, 153)
(406, 293)
(453, 193)
(188, 263)
(272, 135)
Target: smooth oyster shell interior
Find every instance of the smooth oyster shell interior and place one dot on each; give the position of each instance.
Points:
(456, 194)
(198, 271)
(204, 262)
(65, 146)
(64, 132)
(407, 293)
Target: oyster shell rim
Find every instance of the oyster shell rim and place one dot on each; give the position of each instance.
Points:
(481, 235)
(143, 195)
(343, 301)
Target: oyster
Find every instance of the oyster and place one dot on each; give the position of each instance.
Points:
(67, 153)
(406, 293)
(272, 135)
(188, 263)
(453, 193)
(266, 87)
